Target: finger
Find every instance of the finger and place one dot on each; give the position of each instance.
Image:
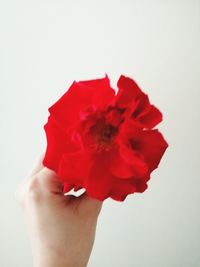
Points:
(49, 181)
(38, 165)
(25, 183)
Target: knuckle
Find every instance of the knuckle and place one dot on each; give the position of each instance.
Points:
(33, 191)
(28, 191)
(33, 184)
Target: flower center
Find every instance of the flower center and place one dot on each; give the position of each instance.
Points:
(103, 134)
(107, 133)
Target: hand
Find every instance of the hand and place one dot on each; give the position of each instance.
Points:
(62, 228)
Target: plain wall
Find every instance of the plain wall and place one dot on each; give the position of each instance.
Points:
(44, 46)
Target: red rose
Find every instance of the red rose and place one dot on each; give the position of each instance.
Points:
(103, 141)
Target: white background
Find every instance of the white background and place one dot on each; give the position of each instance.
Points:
(44, 46)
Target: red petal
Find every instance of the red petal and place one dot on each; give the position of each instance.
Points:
(151, 118)
(67, 187)
(128, 91)
(129, 94)
(140, 185)
(102, 91)
(80, 96)
(70, 186)
(99, 182)
(142, 106)
(125, 163)
(148, 143)
(113, 117)
(152, 145)
(77, 187)
(74, 167)
(121, 188)
(137, 162)
(58, 142)
(66, 110)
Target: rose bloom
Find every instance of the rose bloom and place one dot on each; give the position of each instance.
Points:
(104, 141)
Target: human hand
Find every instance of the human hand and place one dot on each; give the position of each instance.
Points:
(62, 228)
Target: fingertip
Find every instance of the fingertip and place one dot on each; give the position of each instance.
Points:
(38, 165)
(46, 172)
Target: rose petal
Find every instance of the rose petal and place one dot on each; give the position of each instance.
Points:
(81, 95)
(136, 160)
(121, 188)
(67, 187)
(151, 118)
(141, 185)
(128, 91)
(102, 91)
(142, 106)
(74, 167)
(125, 163)
(58, 142)
(98, 183)
(152, 145)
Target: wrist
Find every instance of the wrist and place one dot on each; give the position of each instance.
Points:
(53, 258)
(49, 262)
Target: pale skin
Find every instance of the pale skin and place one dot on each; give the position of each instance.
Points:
(61, 228)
